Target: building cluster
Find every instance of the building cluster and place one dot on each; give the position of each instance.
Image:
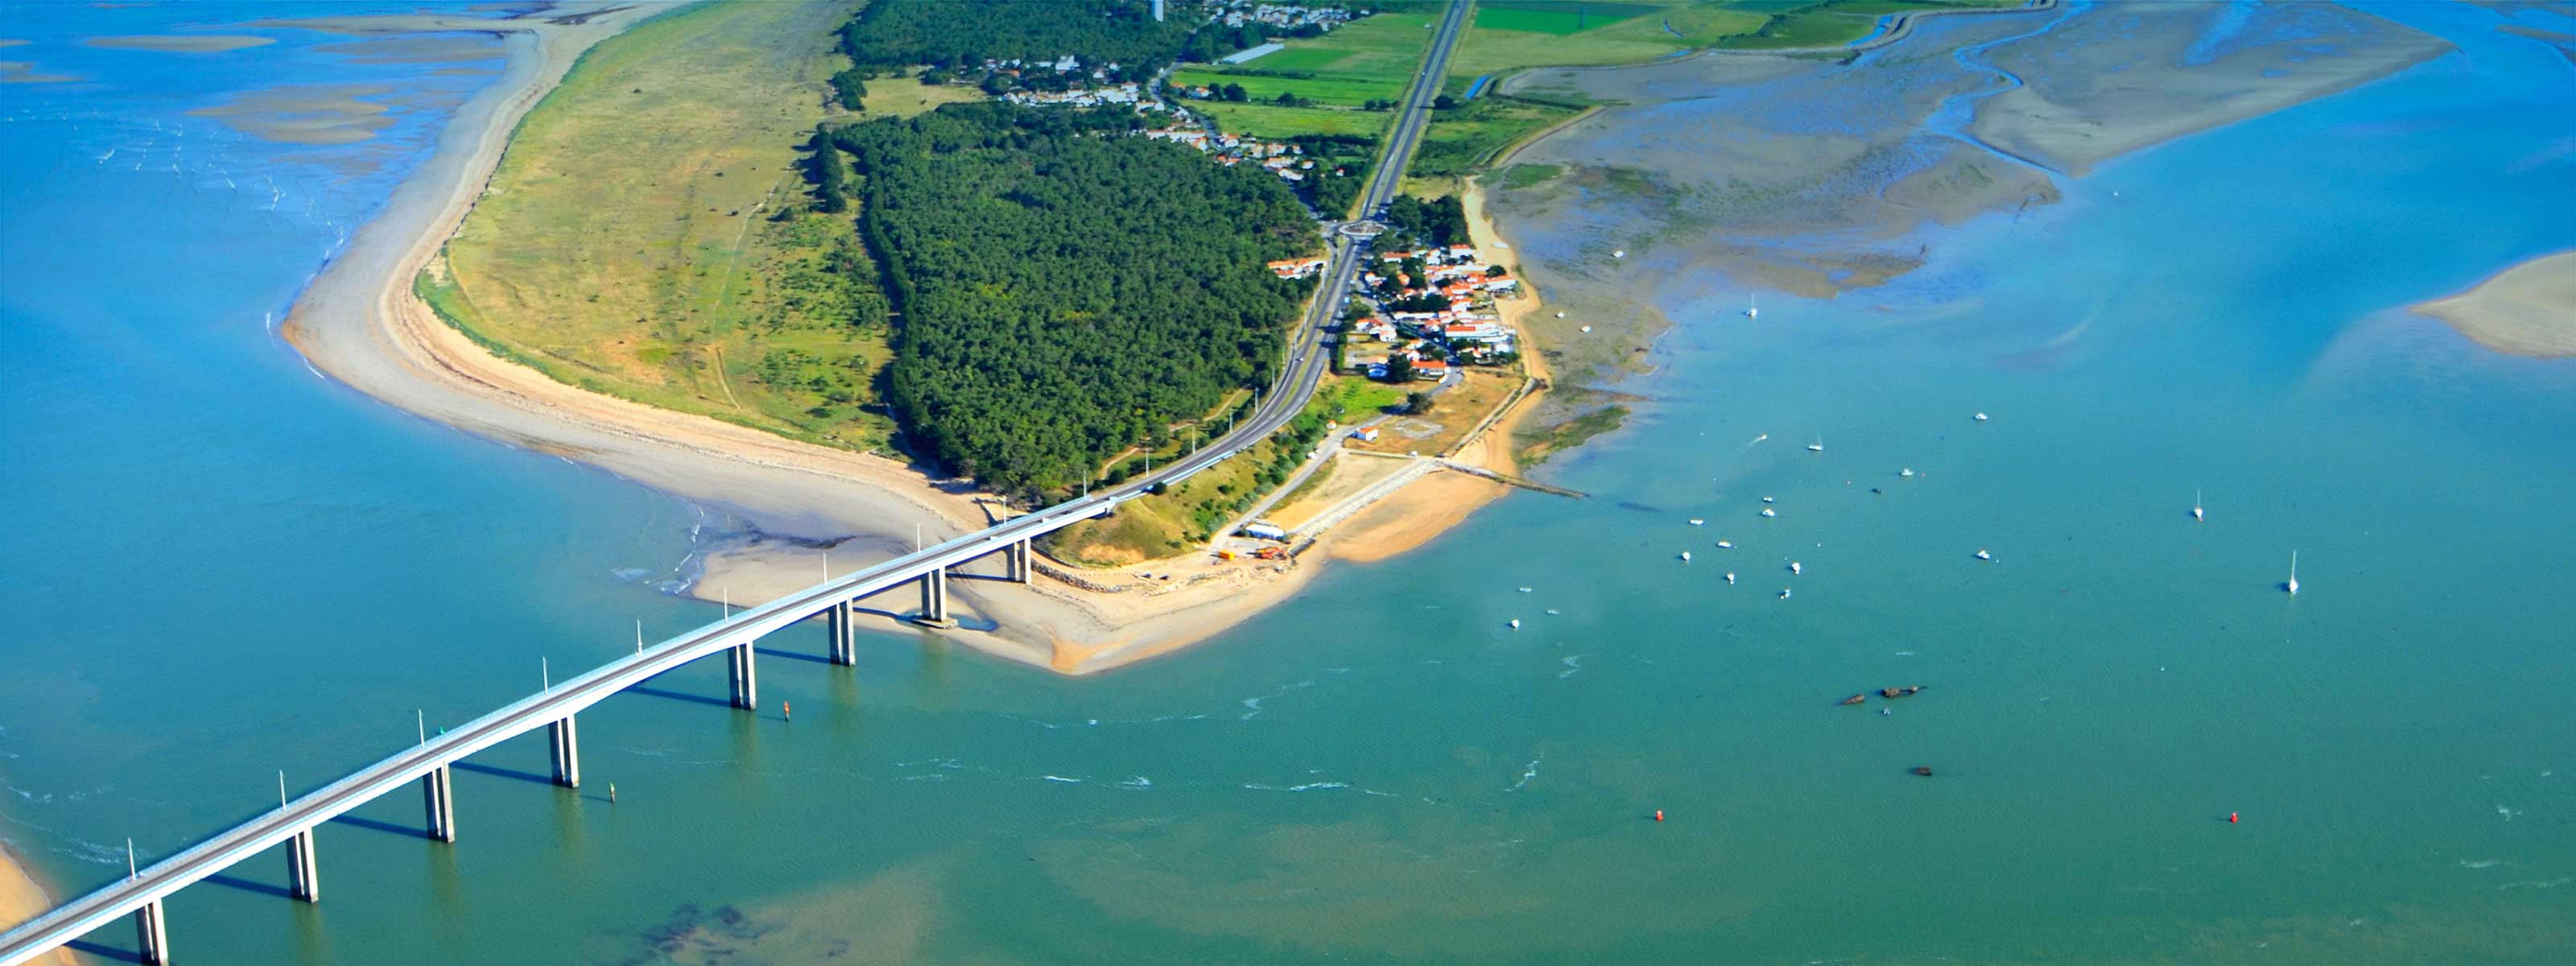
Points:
(1286, 16)
(1286, 160)
(1464, 331)
(1127, 93)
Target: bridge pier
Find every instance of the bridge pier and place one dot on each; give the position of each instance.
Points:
(567, 749)
(844, 647)
(303, 880)
(1017, 562)
(745, 677)
(438, 796)
(934, 598)
(152, 934)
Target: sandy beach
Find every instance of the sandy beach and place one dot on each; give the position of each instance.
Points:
(2526, 310)
(361, 323)
(21, 899)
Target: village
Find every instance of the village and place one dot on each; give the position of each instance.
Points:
(1423, 325)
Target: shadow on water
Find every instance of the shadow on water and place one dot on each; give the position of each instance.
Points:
(388, 828)
(679, 696)
(247, 885)
(102, 952)
(791, 655)
(499, 772)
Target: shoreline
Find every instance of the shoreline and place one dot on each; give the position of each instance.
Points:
(360, 322)
(22, 898)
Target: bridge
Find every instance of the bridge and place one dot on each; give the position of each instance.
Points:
(430, 763)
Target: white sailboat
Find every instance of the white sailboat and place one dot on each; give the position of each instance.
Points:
(2293, 585)
(1818, 446)
(1752, 310)
(2196, 512)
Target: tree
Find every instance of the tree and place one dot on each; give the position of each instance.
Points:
(988, 222)
(848, 89)
(1496, 270)
(996, 85)
(1234, 93)
(1444, 102)
(1416, 403)
(1399, 369)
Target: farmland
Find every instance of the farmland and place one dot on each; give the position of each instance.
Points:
(1369, 59)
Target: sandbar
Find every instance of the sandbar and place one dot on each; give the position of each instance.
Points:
(2526, 310)
(182, 43)
(306, 114)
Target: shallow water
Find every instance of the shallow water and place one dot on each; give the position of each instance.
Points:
(1381, 769)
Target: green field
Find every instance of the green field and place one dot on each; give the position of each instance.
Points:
(627, 242)
(1559, 17)
(1332, 91)
(1267, 120)
(1372, 58)
(1462, 141)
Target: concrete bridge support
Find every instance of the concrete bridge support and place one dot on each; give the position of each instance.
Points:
(934, 597)
(152, 934)
(745, 677)
(567, 748)
(1016, 562)
(844, 644)
(303, 880)
(438, 797)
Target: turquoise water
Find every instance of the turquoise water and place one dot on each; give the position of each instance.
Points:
(231, 567)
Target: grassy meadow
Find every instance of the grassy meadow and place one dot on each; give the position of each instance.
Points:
(1371, 58)
(629, 244)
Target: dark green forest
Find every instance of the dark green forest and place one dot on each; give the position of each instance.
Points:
(1439, 221)
(964, 33)
(1064, 290)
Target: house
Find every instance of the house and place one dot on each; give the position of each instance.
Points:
(1365, 434)
(1430, 368)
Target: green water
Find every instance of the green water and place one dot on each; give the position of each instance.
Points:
(1382, 770)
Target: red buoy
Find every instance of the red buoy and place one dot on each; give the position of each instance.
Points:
(2231, 818)
(1659, 815)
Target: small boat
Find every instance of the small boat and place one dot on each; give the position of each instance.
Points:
(1795, 568)
(1818, 446)
(1587, 328)
(1981, 417)
(1856, 699)
(1899, 692)
(1695, 521)
(1726, 545)
(1751, 310)
(1730, 580)
(1685, 556)
(1516, 623)
(1982, 555)
(1784, 593)
(2293, 585)
(1525, 590)
(1560, 315)
(2196, 512)
(1767, 499)
(1923, 770)
(1551, 612)
(1769, 512)
(1619, 253)
(1908, 471)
